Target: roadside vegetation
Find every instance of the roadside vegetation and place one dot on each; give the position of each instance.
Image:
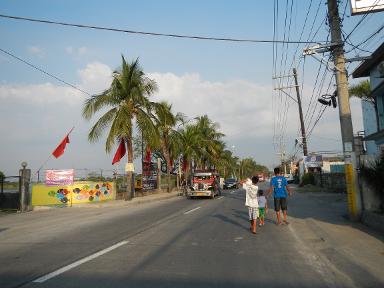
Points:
(374, 175)
(142, 124)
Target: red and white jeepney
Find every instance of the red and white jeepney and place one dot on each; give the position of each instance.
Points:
(204, 184)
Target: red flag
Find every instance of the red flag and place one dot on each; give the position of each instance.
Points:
(147, 155)
(60, 149)
(120, 152)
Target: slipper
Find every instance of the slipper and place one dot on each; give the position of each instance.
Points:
(286, 222)
(279, 223)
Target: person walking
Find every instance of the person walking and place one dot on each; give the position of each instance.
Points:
(251, 201)
(263, 206)
(281, 190)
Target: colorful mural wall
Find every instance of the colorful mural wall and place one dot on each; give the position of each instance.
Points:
(68, 195)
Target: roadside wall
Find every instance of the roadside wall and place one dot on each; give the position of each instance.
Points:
(371, 200)
(332, 182)
(68, 195)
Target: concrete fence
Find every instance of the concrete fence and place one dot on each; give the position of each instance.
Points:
(332, 182)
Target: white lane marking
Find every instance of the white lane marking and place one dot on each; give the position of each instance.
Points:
(232, 191)
(221, 197)
(79, 262)
(194, 209)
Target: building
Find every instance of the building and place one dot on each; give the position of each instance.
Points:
(374, 69)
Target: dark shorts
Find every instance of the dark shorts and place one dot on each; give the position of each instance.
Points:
(280, 203)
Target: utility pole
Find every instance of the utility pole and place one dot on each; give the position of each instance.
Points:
(303, 135)
(354, 200)
(298, 101)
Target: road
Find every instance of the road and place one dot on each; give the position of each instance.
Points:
(190, 243)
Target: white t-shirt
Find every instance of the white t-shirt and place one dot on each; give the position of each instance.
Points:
(250, 194)
(262, 201)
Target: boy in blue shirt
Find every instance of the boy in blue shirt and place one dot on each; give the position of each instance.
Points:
(280, 189)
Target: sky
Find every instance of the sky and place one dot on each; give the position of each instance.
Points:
(231, 82)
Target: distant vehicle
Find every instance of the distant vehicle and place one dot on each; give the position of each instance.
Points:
(231, 183)
(204, 183)
(289, 178)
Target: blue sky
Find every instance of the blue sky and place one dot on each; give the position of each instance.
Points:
(231, 82)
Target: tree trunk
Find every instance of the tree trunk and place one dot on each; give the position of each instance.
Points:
(129, 194)
(168, 161)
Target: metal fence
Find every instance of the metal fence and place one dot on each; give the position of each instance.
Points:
(10, 193)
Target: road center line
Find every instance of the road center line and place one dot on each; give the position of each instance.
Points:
(221, 197)
(78, 263)
(194, 209)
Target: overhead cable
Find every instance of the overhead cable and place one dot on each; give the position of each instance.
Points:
(43, 71)
(154, 33)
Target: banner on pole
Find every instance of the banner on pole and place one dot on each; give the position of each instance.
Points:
(59, 177)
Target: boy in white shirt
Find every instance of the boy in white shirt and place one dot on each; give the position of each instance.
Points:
(263, 206)
(251, 201)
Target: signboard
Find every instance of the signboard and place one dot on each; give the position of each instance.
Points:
(129, 167)
(59, 177)
(313, 161)
(149, 177)
(366, 6)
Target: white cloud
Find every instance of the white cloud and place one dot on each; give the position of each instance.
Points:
(95, 77)
(240, 107)
(77, 52)
(35, 50)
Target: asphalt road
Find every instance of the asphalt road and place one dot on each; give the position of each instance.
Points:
(189, 243)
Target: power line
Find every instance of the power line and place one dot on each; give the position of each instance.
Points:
(45, 72)
(154, 33)
(365, 41)
(362, 19)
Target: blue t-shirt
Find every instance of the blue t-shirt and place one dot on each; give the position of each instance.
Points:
(279, 183)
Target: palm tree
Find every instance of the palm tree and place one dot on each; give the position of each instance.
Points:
(189, 140)
(165, 122)
(362, 90)
(210, 145)
(128, 103)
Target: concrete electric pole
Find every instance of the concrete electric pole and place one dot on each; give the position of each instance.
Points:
(298, 101)
(303, 135)
(354, 200)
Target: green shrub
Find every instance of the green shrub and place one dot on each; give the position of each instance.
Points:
(307, 178)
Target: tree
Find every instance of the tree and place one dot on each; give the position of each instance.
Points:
(188, 145)
(210, 145)
(165, 122)
(2, 176)
(128, 104)
(362, 90)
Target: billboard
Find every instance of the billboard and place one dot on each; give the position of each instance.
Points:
(313, 161)
(366, 6)
(149, 177)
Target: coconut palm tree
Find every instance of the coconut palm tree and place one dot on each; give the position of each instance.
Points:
(188, 144)
(127, 103)
(165, 123)
(210, 145)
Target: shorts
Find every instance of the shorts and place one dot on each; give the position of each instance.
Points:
(261, 212)
(253, 213)
(280, 203)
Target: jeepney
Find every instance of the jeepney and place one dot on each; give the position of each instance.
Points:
(204, 184)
